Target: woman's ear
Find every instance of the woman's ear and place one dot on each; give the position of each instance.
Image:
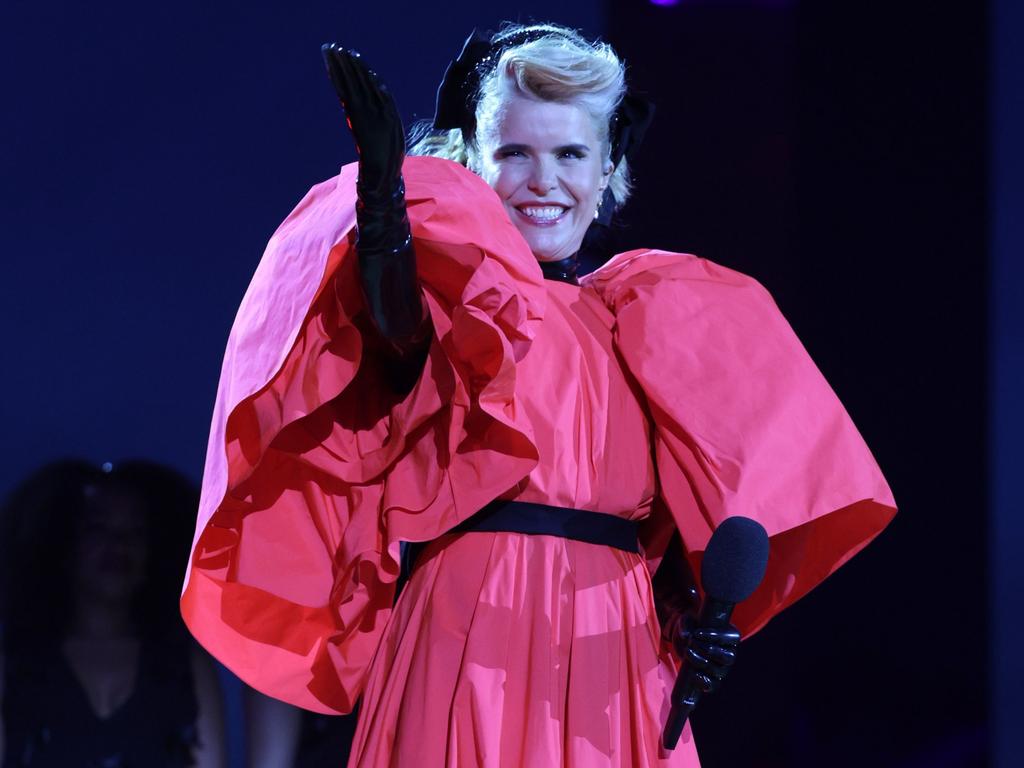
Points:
(606, 174)
(473, 159)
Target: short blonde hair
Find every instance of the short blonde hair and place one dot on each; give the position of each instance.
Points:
(556, 64)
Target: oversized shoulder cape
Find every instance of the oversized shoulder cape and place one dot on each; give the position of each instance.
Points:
(315, 472)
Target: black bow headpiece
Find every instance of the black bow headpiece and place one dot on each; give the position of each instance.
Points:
(457, 96)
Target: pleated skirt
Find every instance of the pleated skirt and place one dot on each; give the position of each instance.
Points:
(507, 649)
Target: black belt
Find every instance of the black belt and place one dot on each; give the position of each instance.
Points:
(545, 520)
(539, 520)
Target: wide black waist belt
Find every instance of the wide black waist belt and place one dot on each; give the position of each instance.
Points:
(545, 520)
(537, 519)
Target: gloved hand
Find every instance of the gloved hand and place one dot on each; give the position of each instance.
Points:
(711, 652)
(387, 262)
(374, 121)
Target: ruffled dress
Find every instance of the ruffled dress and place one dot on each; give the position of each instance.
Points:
(664, 389)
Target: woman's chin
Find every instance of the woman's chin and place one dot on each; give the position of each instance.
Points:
(545, 250)
(548, 242)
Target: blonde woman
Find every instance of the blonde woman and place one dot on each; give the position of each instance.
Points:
(417, 366)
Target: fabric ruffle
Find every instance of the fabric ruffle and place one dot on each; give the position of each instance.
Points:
(315, 471)
(745, 424)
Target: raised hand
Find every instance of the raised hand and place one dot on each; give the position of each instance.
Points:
(387, 261)
(372, 118)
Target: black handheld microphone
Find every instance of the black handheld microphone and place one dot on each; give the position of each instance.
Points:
(733, 566)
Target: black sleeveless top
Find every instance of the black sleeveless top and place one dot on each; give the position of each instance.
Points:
(49, 722)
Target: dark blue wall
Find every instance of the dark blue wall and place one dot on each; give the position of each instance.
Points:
(149, 151)
(1006, 415)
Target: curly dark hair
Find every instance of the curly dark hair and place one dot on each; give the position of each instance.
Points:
(38, 530)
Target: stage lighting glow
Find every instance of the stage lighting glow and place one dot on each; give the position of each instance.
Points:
(751, 3)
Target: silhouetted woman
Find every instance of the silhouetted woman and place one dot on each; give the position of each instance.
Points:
(97, 670)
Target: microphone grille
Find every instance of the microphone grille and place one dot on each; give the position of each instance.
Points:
(735, 560)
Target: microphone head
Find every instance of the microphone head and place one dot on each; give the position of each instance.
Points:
(735, 560)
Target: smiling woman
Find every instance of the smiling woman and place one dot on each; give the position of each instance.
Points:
(550, 168)
(538, 131)
(419, 389)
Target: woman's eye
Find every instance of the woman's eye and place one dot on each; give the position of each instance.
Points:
(510, 153)
(573, 153)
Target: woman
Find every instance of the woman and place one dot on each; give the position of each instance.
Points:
(437, 374)
(95, 668)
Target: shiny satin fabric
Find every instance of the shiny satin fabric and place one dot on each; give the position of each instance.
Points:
(664, 388)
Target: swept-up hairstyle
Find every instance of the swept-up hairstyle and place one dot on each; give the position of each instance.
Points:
(556, 64)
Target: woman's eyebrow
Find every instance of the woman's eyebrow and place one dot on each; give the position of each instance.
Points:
(557, 150)
(513, 148)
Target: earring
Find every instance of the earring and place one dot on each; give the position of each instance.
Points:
(600, 202)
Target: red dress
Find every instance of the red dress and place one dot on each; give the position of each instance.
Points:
(665, 388)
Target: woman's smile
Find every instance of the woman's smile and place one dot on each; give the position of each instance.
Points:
(542, 215)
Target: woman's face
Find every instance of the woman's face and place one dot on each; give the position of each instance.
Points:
(112, 548)
(546, 163)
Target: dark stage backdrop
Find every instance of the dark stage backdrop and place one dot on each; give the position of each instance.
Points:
(835, 151)
(149, 152)
(1006, 408)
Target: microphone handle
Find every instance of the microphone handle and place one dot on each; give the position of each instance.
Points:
(686, 692)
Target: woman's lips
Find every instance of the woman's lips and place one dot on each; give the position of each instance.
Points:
(542, 215)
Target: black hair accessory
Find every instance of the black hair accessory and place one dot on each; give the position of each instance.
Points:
(457, 95)
(628, 126)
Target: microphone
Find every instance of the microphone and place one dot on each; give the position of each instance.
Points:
(733, 566)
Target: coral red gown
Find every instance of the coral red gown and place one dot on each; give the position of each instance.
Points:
(665, 389)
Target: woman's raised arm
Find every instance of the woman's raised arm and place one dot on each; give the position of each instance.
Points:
(387, 261)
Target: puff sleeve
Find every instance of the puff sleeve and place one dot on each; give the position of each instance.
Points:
(744, 424)
(315, 471)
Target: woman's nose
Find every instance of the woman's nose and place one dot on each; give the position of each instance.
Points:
(542, 177)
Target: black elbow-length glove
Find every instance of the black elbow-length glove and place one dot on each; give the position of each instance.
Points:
(387, 262)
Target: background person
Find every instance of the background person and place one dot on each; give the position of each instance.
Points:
(97, 670)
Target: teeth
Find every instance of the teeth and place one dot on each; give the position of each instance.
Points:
(543, 212)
